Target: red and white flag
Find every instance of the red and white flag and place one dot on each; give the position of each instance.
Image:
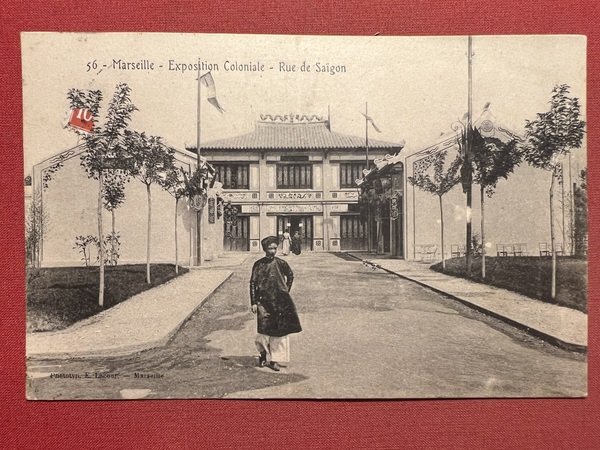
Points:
(211, 95)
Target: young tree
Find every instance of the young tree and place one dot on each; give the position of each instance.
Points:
(114, 196)
(581, 216)
(102, 145)
(152, 162)
(469, 142)
(551, 136)
(36, 223)
(179, 184)
(443, 181)
(493, 160)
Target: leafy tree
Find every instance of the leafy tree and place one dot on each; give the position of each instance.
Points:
(177, 184)
(551, 136)
(493, 160)
(469, 141)
(442, 182)
(181, 185)
(103, 145)
(113, 195)
(153, 161)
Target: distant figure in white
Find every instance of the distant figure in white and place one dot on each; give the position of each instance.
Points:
(286, 243)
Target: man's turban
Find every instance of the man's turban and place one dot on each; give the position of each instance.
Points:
(268, 241)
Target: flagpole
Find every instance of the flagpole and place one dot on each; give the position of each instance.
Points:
(468, 155)
(367, 132)
(199, 216)
(369, 225)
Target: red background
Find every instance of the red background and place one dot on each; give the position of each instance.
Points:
(564, 423)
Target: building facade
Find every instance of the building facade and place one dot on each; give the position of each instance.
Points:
(69, 200)
(293, 173)
(517, 218)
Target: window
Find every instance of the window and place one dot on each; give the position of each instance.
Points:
(294, 176)
(233, 176)
(350, 172)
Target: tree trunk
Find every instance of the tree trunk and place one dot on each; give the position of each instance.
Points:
(33, 240)
(113, 258)
(379, 237)
(148, 235)
(442, 232)
(562, 199)
(552, 244)
(369, 229)
(482, 234)
(176, 247)
(100, 241)
(571, 210)
(468, 249)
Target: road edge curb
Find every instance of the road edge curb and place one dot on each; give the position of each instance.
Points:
(131, 349)
(553, 340)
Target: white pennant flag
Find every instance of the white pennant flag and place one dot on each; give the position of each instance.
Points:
(370, 119)
(208, 81)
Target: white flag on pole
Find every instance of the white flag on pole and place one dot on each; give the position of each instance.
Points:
(370, 119)
(211, 95)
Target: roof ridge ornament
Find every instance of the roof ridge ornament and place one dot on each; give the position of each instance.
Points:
(291, 118)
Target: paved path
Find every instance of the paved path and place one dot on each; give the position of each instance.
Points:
(367, 334)
(559, 325)
(147, 320)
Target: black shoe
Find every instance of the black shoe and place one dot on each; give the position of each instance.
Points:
(262, 359)
(274, 366)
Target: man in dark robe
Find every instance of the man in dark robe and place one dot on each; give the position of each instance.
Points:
(296, 243)
(270, 284)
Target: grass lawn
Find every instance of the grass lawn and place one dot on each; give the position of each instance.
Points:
(60, 296)
(530, 276)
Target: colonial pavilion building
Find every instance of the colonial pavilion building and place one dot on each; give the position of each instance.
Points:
(294, 172)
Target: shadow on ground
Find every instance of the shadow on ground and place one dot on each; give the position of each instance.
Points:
(187, 367)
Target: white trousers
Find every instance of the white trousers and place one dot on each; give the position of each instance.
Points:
(277, 348)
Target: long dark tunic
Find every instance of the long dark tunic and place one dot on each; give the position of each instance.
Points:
(270, 283)
(296, 246)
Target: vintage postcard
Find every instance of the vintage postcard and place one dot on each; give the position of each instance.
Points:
(252, 216)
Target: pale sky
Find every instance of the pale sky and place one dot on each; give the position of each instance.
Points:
(415, 86)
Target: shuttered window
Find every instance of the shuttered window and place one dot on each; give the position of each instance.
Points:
(233, 176)
(294, 176)
(349, 173)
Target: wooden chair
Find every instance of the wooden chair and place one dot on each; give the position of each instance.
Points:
(544, 249)
(519, 249)
(419, 252)
(558, 247)
(455, 250)
(501, 250)
(429, 252)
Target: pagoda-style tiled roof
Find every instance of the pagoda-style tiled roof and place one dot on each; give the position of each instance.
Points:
(295, 133)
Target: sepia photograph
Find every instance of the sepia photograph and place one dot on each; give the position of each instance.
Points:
(304, 217)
